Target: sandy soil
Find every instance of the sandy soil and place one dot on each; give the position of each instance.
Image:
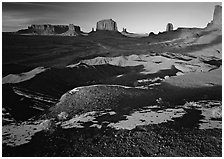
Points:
(11, 78)
(198, 79)
(153, 64)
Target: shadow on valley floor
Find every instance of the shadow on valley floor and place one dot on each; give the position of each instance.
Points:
(59, 51)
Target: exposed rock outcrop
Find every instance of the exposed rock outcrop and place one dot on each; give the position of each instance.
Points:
(216, 22)
(106, 24)
(169, 27)
(124, 30)
(44, 29)
(128, 34)
(151, 34)
(72, 30)
(48, 29)
(175, 34)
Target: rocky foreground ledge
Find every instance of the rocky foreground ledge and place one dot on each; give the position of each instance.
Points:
(117, 121)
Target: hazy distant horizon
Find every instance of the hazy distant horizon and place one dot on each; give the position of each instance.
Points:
(138, 17)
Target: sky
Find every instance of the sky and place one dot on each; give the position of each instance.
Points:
(136, 17)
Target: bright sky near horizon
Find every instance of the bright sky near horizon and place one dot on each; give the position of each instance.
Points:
(138, 17)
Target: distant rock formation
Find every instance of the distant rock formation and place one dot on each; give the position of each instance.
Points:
(169, 27)
(124, 30)
(92, 31)
(73, 30)
(151, 34)
(106, 24)
(178, 33)
(128, 34)
(217, 18)
(48, 29)
(44, 29)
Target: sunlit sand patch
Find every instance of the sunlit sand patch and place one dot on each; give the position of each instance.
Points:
(143, 87)
(74, 90)
(73, 65)
(150, 80)
(149, 83)
(194, 65)
(6, 117)
(148, 116)
(119, 76)
(156, 115)
(212, 51)
(166, 77)
(16, 78)
(18, 134)
(206, 39)
(152, 64)
(96, 126)
(79, 120)
(212, 112)
(209, 114)
(178, 74)
(197, 79)
(77, 89)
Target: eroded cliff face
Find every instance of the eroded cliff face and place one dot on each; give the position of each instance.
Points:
(73, 30)
(169, 27)
(216, 22)
(106, 24)
(47, 29)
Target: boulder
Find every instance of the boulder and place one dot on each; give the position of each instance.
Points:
(106, 24)
(169, 27)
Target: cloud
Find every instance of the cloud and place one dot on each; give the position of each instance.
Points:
(18, 15)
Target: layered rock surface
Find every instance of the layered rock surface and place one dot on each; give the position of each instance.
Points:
(217, 18)
(47, 29)
(169, 27)
(106, 24)
(72, 30)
